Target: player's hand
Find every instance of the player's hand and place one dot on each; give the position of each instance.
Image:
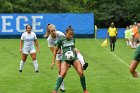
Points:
(20, 50)
(52, 65)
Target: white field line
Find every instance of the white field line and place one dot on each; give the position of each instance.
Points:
(119, 59)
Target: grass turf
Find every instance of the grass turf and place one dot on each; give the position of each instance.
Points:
(108, 72)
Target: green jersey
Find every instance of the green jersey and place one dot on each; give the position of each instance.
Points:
(66, 45)
(139, 30)
(128, 33)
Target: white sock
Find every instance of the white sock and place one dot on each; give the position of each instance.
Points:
(35, 63)
(62, 86)
(130, 43)
(21, 65)
(127, 42)
(80, 57)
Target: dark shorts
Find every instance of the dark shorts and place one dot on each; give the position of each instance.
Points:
(112, 39)
(137, 54)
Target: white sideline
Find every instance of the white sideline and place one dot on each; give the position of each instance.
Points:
(120, 60)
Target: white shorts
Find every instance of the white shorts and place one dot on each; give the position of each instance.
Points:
(27, 51)
(58, 57)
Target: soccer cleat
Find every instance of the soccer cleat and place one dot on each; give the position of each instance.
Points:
(37, 71)
(86, 91)
(85, 66)
(54, 91)
(20, 70)
(62, 90)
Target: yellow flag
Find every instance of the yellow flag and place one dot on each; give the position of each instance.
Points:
(104, 44)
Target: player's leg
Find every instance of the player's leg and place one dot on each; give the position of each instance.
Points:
(24, 57)
(130, 42)
(133, 45)
(62, 87)
(64, 69)
(133, 67)
(35, 63)
(127, 41)
(114, 41)
(59, 58)
(81, 58)
(78, 68)
(110, 38)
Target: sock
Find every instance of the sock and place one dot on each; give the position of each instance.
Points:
(58, 83)
(21, 65)
(80, 57)
(111, 47)
(35, 63)
(130, 43)
(127, 43)
(83, 82)
(62, 85)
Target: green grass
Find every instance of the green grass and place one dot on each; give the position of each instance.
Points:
(106, 72)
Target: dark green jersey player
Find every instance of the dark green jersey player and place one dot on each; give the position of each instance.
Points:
(136, 59)
(68, 44)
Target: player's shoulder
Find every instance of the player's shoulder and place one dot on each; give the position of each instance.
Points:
(61, 38)
(33, 33)
(49, 38)
(109, 27)
(115, 27)
(24, 33)
(59, 32)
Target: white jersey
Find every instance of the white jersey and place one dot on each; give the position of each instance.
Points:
(28, 40)
(52, 41)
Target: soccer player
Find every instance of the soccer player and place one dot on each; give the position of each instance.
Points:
(53, 36)
(112, 32)
(29, 38)
(136, 59)
(67, 43)
(128, 36)
(135, 35)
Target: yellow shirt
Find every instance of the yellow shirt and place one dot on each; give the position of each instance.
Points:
(112, 31)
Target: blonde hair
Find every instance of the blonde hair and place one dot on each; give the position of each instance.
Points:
(49, 26)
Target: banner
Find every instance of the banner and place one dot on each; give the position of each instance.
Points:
(102, 33)
(14, 24)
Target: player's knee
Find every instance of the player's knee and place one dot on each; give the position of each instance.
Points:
(34, 58)
(131, 70)
(63, 74)
(81, 73)
(59, 71)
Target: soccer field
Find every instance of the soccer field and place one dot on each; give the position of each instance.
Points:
(108, 72)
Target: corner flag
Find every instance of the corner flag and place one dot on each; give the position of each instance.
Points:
(104, 44)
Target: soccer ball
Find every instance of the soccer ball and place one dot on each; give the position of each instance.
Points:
(69, 55)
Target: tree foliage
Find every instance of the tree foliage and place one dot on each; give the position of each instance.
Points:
(122, 12)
